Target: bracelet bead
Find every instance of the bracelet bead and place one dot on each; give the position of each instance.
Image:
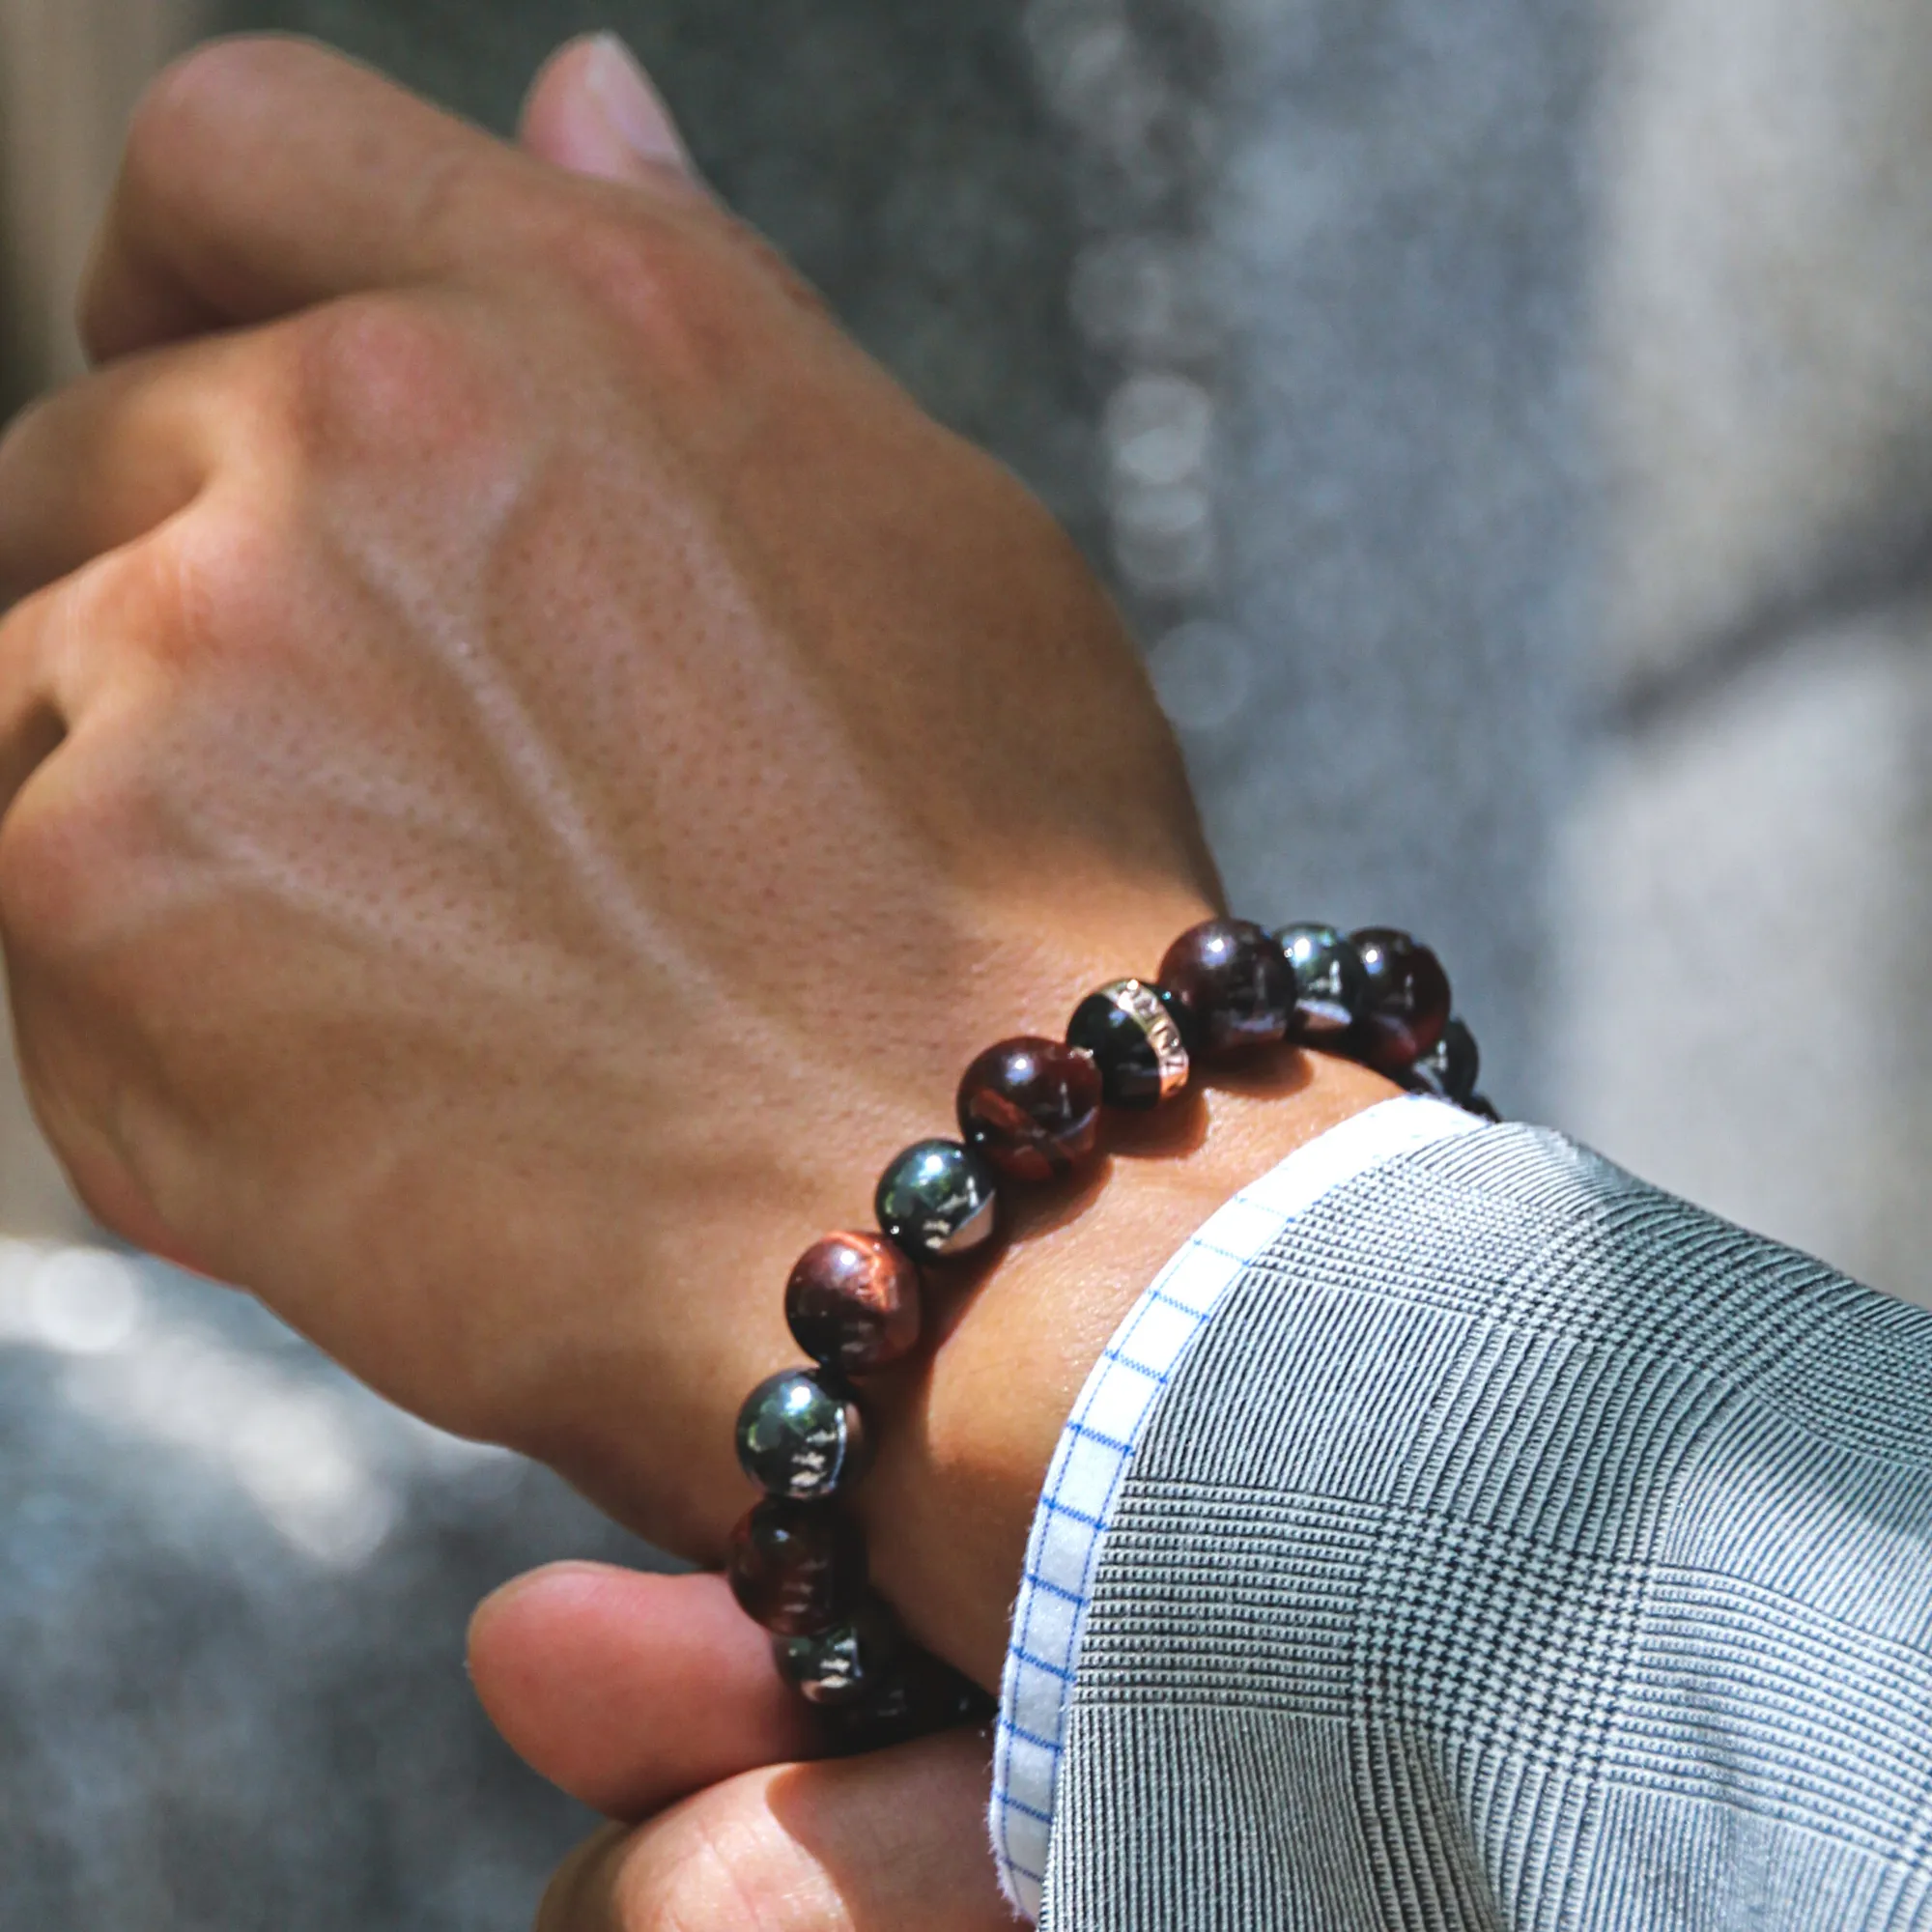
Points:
(799, 1438)
(1331, 984)
(1031, 1107)
(1234, 983)
(796, 1568)
(853, 1303)
(1409, 998)
(845, 1664)
(1134, 1040)
(1452, 1066)
(937, 1200)
(919, 1696)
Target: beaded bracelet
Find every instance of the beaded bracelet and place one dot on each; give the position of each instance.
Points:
(1029, 1110)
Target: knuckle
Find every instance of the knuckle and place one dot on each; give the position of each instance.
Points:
(63, 848)
(166, 120)
(211, 586)
(384, 378)
(194, 98)
(630, 264)
(667, 286)
(55, 871)
(43, 869)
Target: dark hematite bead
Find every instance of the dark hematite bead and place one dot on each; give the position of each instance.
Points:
(1234, 980)
(797, 1568)
(848, 1663)
(1135, 1041)
(1409, 998)
(920, 1696)
(1031, 1107)
(1331, 984)
(1451, 1068)
(853, 1303)
(937, 1199)
(799, 1439)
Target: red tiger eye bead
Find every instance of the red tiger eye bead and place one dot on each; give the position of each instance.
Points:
(1234, 983)
(1031, 1107)
(853, 1303)
(1407, 1005)
(796, 1568)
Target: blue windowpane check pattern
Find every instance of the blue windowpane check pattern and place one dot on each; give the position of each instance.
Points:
(1097, 1445)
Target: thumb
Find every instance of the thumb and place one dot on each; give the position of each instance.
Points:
(630, 1690)
(593, 111)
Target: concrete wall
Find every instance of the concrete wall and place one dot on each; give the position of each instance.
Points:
(1743, 914)
(69, 71)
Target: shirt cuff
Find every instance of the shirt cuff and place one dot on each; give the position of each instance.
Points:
(1096, 1449)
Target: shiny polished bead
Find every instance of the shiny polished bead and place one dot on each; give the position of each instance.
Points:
(919, 1696)
(1451, 1068)
(1409, 998)
(1135, 1043)
(1234, 983)
(846, 1663)
(798, 1438)
(797, 1568)
(853, 1303)
(1331, 984)
(1031, 1107)
(1177, 1010)
(937, 1199)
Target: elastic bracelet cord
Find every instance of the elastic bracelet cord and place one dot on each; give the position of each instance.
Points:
(1030, 1111)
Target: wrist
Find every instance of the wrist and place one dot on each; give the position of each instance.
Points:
(965, 1430)
(966, 1437)
(772, 1178)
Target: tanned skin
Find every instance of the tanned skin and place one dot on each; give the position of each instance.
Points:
(528, 766)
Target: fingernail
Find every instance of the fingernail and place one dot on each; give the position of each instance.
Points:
(629, 105)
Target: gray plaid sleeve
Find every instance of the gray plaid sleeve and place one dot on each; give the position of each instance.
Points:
(1518, 1546)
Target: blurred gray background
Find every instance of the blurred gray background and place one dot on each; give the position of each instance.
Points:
(1508, 426)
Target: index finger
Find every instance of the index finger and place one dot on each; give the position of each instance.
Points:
(878, 1843)
(266, 174)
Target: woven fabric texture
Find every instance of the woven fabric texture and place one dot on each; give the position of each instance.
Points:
(1519, 1547)
(1097, 1446)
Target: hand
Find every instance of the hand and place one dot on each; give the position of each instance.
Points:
(636, 1693)
(531, 767)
